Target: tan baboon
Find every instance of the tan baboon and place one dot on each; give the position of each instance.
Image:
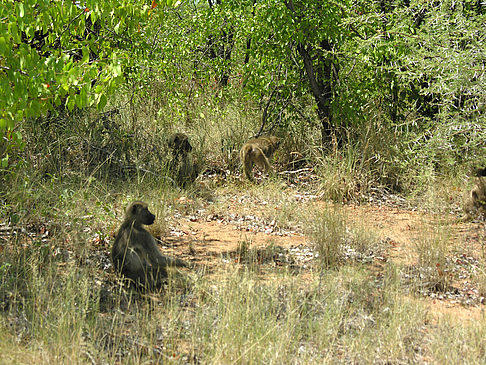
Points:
(258, 151)
(135, 254)
(182, 168)
(476, 202)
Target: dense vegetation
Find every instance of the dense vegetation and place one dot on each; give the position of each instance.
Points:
(324, 75)
(371, 98)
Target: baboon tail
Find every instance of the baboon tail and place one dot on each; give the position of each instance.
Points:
(165, 261)
(178, 263)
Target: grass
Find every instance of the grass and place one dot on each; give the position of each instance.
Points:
(328, 233)
(432, 251)
(242, 319)
(59, 306)
(61, 303)
(454, 343)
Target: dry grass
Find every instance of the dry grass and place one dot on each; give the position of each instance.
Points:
(63, 308)
(61, 303)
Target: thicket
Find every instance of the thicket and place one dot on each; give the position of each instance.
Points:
(394, 89)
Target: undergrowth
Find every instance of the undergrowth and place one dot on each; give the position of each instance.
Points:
(60, 301)
(63, 314)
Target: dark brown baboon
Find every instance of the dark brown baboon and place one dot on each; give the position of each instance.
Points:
(258, 151)
(481, 172)
(135, 254)
(182, 168)
(476, 202)
(179, 144)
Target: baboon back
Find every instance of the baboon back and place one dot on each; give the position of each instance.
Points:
(258, 151)
(182, 167)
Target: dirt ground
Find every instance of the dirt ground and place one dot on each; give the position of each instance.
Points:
(214, 242)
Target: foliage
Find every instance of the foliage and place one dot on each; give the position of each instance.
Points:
(403, 85)
(63, 54)
(418, 66)
(186, 67)
(386, 61)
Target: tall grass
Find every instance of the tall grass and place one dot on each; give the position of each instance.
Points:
(456, 342)
(432, 249)
(61, 303)
(335, 242)
(328, 233)
(64, 308)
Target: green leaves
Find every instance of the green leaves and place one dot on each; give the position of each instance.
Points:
(20, 9)
(4, 161)
(101, 101)
(172, 3)
(3, 46)
(52, 53)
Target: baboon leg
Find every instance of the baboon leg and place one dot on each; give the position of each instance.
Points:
(260, 159)
(257, 151)
(248, 168)
(247, 163)
(165, 261)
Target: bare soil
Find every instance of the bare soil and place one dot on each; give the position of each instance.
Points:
(215, 243)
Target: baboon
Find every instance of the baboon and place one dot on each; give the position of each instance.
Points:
(179, 144)
(258, 151)
(182, 168)
(476, 202)
(135, 254)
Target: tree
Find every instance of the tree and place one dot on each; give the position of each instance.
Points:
(63, 54)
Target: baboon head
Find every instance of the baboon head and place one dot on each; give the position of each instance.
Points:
(481, 172)
(179, 143)
(275, 140)
(138, 213)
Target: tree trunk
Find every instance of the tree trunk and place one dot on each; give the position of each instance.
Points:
(223, 51)
(321, 86)
(320, 77)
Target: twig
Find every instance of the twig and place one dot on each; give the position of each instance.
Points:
(8, 69)
(68, 25)
(295, 171)
(265, 111)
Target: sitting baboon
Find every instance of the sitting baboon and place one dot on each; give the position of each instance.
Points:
(135, 254)
(182, 168)
(179, 144)
(476, 202)
(258, 151)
